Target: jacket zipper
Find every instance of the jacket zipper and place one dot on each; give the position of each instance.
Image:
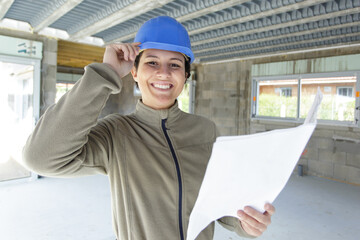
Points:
(163, 121)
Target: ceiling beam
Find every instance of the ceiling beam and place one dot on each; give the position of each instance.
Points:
(284, 45)
(135, 9)
(302, 51)
(5, 5)
(192, 15)
(268, 13)
(277, 37)
(61, 11)
(227, 4)
(207, 10)
(283, 25)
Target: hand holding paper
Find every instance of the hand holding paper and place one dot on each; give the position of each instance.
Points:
(254, 222)
(249, 170)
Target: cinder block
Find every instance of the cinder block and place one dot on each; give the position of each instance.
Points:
(226, 122)
(320, 168)
(233, 76)
(348, 134)
(50, 58)
(244, 107)
(242, 84)
(217, 85)
(215, 68)
(353, 175)
(50, 45)
(224, 102)
(340, 172)
(200, 76)
(204, 86)
(329, 156)
(256, 128)
(223, 112)
(347, 146)
(230, 85)
(347, 173)
(226, 131)
(231, 67)
(203, 103)
(303, 162)
(211, 77)
(353, 160)
(206, 94)
(311, 153)
(242, 128)
(205, 112)
(223, 94)
(323, 133)
(324, 143)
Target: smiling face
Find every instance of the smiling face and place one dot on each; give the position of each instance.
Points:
(160, 76)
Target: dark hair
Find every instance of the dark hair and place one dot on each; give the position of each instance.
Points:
(187, 66)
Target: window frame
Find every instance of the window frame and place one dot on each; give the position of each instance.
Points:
(345, 87)
(36, 63)
(255, 97)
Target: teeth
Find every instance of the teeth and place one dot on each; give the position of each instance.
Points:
(162, 86)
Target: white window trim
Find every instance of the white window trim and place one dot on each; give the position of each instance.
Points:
(255, 93)
(36, 100)
(344, 87)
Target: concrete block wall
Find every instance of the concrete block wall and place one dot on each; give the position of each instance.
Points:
(48, 74)
(325, 157)
(223, 94)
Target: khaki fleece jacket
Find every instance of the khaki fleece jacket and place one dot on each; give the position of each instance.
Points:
(155, 159)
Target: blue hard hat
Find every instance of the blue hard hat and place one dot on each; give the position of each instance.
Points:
(164, 33)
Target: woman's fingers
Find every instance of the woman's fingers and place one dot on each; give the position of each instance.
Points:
(121, 57)
(126, 51)
(130, 51)
(255, 222)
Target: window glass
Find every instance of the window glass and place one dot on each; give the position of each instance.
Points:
(184, 97)
(338, 101)
(62, 88)
(278, 98)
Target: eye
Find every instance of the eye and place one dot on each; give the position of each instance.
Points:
(152, 63)
(174, 65)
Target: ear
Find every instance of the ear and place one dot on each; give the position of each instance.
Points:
(134, 74)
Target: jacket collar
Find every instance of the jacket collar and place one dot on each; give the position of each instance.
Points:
(150, 115)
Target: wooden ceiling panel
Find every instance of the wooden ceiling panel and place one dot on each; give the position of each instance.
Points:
(78, 55)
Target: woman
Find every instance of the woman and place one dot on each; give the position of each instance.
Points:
(156, 157)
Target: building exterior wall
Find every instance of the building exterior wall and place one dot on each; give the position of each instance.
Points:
(223, 94)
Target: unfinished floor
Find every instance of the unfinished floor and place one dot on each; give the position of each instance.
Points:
(76, 209)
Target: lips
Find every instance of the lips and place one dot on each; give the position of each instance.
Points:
(163, 86)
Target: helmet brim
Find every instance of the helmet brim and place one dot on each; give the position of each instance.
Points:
(168, 47)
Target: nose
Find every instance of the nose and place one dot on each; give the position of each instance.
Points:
(163, 72)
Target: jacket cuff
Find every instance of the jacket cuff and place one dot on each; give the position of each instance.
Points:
(233, 224)
(108, 73)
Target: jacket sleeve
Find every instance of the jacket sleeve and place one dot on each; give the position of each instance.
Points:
(68, 140)
(233, 224)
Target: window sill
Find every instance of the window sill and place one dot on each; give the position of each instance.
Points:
(321, 124)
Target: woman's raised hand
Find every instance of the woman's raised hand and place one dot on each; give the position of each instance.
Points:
(121, 57)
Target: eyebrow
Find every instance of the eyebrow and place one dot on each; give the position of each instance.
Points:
(153, 56)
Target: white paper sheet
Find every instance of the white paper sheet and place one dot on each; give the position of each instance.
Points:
(249, 170)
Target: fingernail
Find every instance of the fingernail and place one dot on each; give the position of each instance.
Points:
(241, 215)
